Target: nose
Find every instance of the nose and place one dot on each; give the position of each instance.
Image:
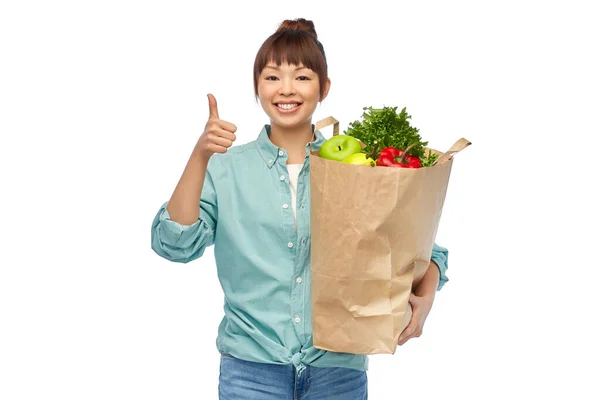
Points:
(287, 87)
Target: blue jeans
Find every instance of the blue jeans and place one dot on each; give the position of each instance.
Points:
(245, 380)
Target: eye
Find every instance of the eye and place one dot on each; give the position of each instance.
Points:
(271, 78)
(304, 78)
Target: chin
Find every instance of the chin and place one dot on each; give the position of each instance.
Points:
(286, 122)
(289, 121)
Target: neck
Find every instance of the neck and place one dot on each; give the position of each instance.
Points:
(293, 140)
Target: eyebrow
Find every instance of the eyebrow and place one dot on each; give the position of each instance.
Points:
(277, 68)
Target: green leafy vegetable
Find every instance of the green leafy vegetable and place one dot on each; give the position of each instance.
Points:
(388, 128)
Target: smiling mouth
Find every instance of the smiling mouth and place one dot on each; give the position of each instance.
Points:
(288, 107)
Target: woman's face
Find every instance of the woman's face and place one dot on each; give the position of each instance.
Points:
(289, 94)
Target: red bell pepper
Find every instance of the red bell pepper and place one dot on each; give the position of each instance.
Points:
(392, 157)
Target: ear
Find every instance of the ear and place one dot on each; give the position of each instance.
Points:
(326, 92)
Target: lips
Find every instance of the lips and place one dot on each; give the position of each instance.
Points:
(287, 107)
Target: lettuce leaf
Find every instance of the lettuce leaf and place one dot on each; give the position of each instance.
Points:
(388, 128)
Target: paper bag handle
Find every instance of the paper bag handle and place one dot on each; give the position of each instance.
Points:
(460, 144)
(325, 122)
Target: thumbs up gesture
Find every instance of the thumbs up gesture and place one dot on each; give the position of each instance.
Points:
(218, 135)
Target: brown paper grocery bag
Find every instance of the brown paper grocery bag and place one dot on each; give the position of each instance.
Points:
(372, 234)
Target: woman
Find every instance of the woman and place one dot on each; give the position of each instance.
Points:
(255, 209)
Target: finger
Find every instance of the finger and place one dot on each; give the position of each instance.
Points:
(228, 126)
(403, 339)
(413, 299)
(219, 132)
(406, 334)
(219, 124)
(215, 148)
(415, 302)
(219, 141)
(213, 112)
(409, 331)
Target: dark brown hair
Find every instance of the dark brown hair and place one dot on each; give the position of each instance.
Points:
(295, 42)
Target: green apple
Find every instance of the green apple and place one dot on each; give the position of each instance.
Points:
(339, 147)
(359, 159)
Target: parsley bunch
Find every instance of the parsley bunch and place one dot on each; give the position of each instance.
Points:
(387, 128)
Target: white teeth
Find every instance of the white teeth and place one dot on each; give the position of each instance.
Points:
(287, 106)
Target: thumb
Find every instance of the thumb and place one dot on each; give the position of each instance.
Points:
(413, 299)
(213, 112)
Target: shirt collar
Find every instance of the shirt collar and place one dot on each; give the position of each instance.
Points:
(270, 153)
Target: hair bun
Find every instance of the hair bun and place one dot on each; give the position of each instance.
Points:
(299, 24)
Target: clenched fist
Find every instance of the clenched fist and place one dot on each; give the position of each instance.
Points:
(218, 135)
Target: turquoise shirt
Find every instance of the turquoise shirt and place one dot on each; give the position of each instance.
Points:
(263, 262)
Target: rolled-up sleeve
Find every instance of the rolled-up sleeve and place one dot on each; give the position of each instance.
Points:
(184, 243)
(439, 255)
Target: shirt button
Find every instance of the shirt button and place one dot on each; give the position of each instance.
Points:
(280, 152)
(303, 240)
(285, 206)
(297, 319)
(290, 245)
(299, 280)
(270, 161)
(302, 206)
(281, 178)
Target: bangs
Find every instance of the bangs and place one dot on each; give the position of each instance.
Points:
(293, 48)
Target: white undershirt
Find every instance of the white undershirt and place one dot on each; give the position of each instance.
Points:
(294, 171)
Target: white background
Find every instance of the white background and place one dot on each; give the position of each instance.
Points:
(101, 104)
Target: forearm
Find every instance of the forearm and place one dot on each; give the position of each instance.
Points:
(428, 285)
(183, 206)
